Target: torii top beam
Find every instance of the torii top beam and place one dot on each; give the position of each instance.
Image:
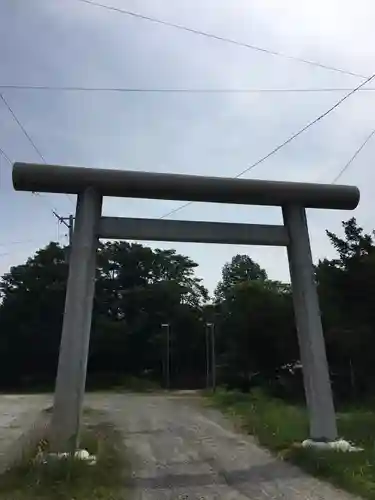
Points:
(166, 186)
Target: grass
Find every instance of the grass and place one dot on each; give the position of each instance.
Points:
(71, 479)
(282, 427)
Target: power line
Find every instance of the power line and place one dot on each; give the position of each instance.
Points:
(36, 149)
(4, 254)
(6, 156)
(11, 243)
(22, 128)
(283, 144)
(347, 165)
(44, 200)
(12, 252)
(175, 210)
(220, 38)
(53, 210)
(302, 130)
(33, 193)
(137, 90)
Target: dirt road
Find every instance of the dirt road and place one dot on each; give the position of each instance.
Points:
(18, 414)
(180, 450)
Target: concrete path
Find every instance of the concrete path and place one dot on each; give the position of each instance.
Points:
(180, 450)
(18, 415)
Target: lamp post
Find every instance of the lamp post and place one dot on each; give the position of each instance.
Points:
(166, 327)
(207, 358)
(211, 327)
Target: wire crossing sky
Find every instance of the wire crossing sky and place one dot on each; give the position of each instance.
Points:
(219, 38)
(202, 88)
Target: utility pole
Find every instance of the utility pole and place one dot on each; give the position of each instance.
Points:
(69, 223)
(71, 228)
(166, 327)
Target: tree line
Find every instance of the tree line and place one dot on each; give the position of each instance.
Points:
(139, 289)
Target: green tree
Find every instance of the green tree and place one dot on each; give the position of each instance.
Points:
(32, 303)
(137, 289)
(347, 291)
(256, 334)
(241, 269)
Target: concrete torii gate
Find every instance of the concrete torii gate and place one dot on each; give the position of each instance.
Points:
(91, 184)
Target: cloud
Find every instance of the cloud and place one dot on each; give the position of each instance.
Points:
(71, 43)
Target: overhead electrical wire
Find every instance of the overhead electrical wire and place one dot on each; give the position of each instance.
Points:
(16, 243)
(6, 157)
(137, 90)
(248, 46)
(347, 165)
(219, 38)
(283, 144)
(3, 153)
(26, 134)
(52, 209)
(4, 254)
(22, 128)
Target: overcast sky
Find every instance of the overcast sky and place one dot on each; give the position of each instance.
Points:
(67, 42)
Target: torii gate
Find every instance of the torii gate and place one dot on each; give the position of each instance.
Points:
(91, 184)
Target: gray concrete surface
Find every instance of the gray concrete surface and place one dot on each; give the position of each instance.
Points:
(181, 450)
(76, 329)
(19, 421)
(167, 186)
(311, 342)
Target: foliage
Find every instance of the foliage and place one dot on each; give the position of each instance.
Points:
(31, 316)
(138, 289)
(347, 291)
(241, 269)
(254, 343)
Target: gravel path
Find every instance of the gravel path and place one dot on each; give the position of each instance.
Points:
(18, 414)
(13, 408)
(180, 450)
